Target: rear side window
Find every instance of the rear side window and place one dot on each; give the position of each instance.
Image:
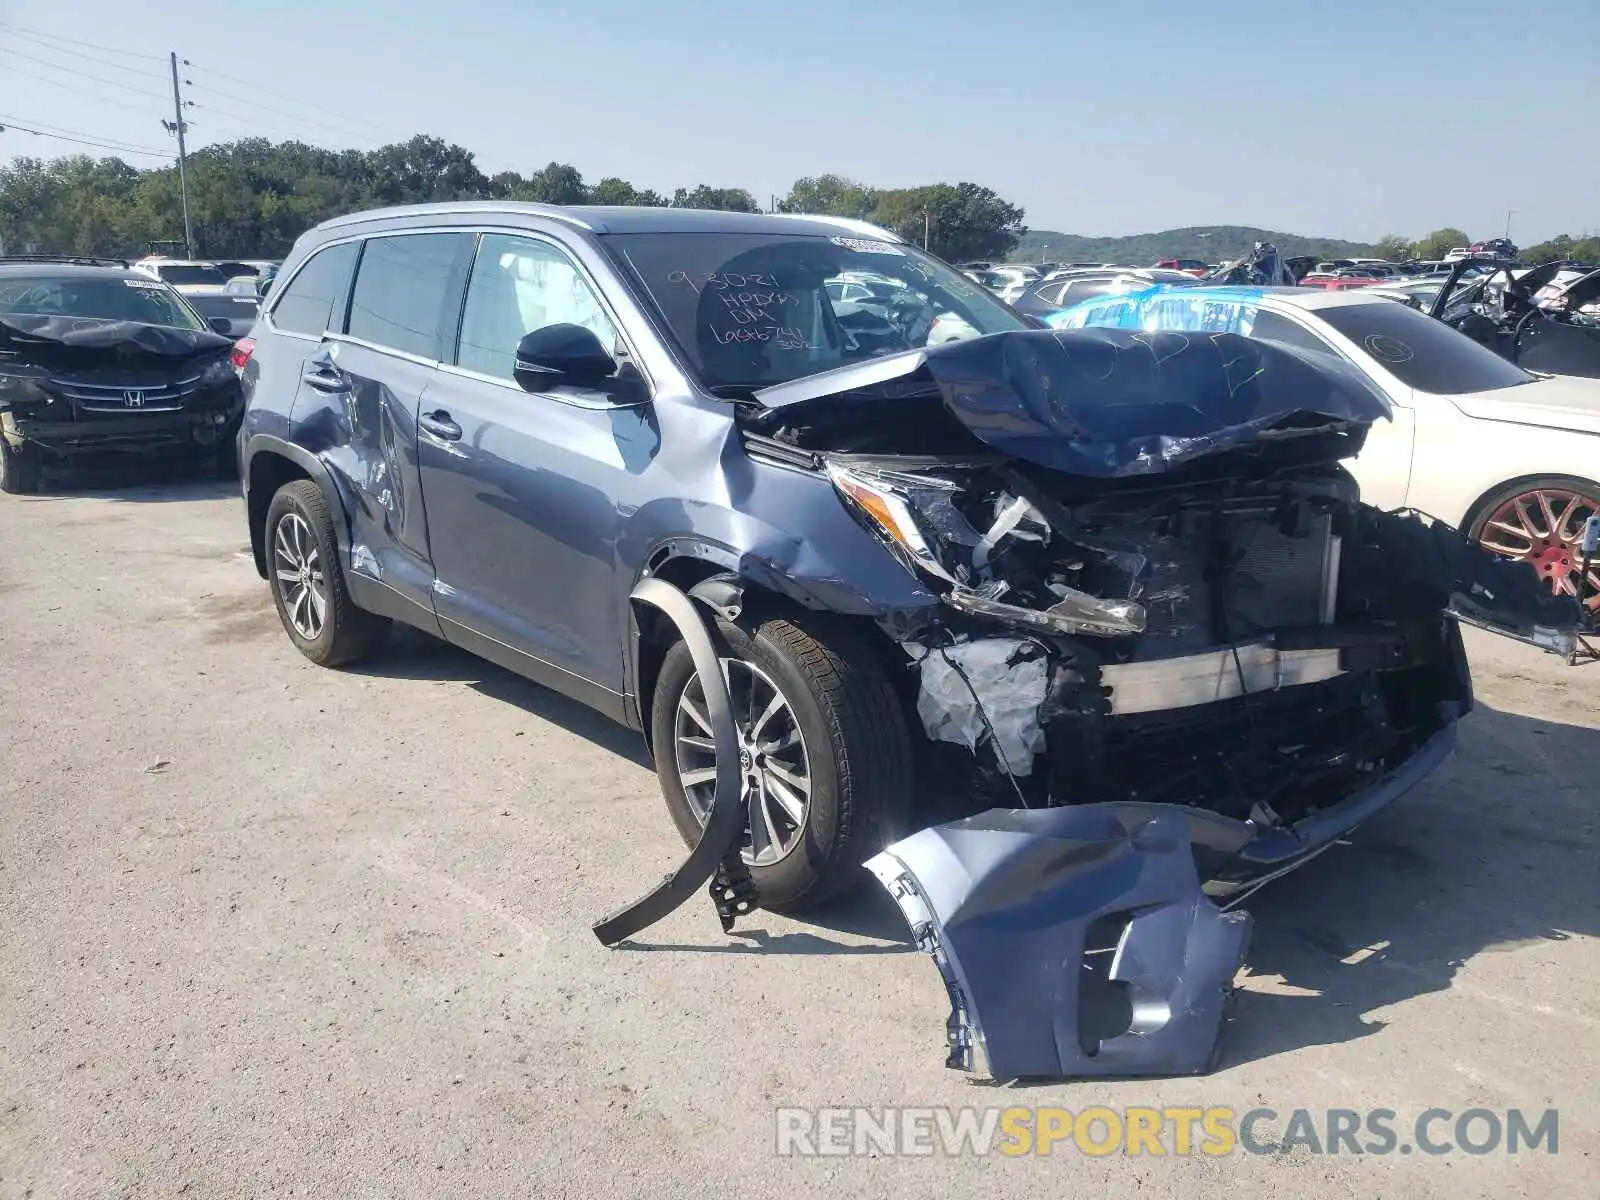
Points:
(402, 287)
(306, 305)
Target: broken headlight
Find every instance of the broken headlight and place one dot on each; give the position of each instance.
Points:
(917, 516)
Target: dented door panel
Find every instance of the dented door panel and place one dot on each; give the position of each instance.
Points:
(357, 411)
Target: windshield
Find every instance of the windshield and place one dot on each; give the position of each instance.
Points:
(187, 274)
(752, 310)
(1421, 352)
(98, 298)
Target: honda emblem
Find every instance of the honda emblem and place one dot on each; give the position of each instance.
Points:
(133, 399)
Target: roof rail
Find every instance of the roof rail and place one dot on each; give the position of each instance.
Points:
(866, 228)
(77, 260)
(445, 208)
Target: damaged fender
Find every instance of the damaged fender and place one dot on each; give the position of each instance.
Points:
(727, 813)
(1005, 902)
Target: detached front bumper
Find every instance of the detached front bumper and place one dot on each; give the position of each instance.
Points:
(1081, 941)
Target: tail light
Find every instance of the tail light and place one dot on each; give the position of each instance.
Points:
(242, 350)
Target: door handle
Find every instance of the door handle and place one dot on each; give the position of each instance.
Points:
(326, 380)
(440, 426)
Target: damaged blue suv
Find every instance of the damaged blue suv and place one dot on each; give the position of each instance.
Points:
(948, 562)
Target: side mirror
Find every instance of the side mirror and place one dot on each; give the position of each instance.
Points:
(562, 355)
(221, 325)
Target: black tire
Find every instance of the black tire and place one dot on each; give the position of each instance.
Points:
(854, 732)
(346, 633)
(20, 469)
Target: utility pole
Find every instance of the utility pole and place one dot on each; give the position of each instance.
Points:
(183, 168)
(926, 222)
(1509, 211)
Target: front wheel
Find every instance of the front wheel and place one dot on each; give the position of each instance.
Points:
(308, 584)
(824, 756)
(1541, 522)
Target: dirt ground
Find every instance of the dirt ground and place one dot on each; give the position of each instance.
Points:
(270, 930)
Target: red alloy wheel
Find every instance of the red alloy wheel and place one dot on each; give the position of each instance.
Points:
(1543, 527)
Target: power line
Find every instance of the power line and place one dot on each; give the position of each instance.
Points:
(277, 95)
(10, 126)
(62, 129)
(44, 62)
(104, 62)
(350, 131)
(56, 37)
(139, 108)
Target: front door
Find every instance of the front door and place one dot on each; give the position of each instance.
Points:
(521, 487)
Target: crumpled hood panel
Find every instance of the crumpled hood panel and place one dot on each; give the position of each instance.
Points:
(131, 339)
(1107, 402)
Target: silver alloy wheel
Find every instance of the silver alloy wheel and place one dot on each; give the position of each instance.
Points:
(297, 564)
(774, 766)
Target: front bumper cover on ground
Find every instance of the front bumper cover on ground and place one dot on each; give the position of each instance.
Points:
(1012, 904)
(1006, 901)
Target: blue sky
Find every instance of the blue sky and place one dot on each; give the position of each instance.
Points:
(1352, 118)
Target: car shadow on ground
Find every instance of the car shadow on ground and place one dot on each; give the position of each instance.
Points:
(134, 480)
(1495, 852)
(416, 655)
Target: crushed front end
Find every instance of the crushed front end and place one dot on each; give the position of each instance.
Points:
(1175, 656)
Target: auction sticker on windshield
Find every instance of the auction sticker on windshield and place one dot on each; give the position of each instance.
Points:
(864, 246)
(149, 284)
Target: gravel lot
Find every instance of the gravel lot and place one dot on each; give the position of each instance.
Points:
(271, 930)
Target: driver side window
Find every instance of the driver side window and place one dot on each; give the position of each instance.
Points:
(519, 285)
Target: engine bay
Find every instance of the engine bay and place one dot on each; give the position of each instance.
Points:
(1257, 644)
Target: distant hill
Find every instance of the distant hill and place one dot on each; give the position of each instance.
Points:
(1213, 243)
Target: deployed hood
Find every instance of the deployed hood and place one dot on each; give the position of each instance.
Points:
(1108, 402)
(1557, 402)
(61, 338)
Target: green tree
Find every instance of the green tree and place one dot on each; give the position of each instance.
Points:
(612, 190)
(962, 221)
(1393, 248)
(1440, 242)
(1564, 246)
(829, 195)
(423, 169)
(725, 199)
(555, 183)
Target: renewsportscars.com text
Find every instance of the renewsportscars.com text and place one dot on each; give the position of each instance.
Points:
(1100, 1131)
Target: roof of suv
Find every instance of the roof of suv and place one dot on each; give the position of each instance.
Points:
(622, 219)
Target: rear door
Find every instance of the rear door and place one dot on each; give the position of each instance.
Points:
(362, 389)
(310, 304)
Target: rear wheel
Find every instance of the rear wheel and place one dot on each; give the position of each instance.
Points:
(20, 468)
(308, 585)
(825, 760)
(1540, 522)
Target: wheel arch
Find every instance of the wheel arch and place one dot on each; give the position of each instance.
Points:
(269, 463)
(1480, 507)
(718, 590)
